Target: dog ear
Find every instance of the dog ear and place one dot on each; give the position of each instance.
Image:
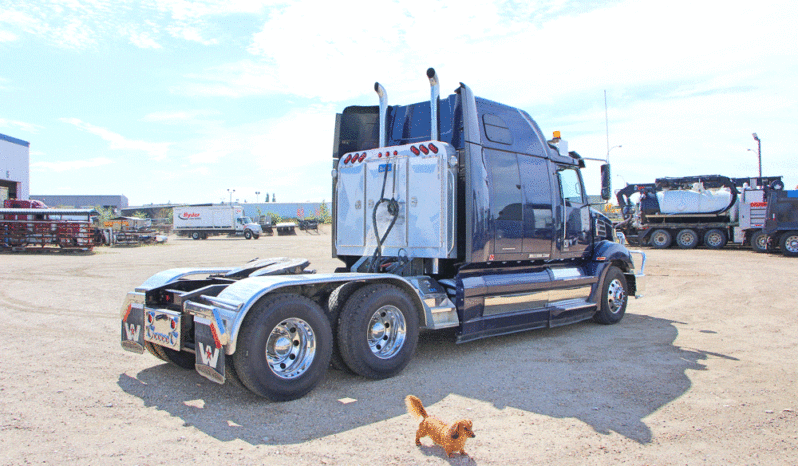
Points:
(454, 431)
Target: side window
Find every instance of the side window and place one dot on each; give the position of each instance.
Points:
(570, 186)
(506, 186)
(496, 129)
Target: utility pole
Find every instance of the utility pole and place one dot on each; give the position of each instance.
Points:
(759, 154)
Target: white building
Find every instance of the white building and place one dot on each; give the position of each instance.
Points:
(14, 168)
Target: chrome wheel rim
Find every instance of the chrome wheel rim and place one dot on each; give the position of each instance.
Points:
(616, 296)
(291, 348)
(791, 244)
(387, 332)
(761, 241)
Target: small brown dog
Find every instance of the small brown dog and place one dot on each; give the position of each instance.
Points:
(452, 438)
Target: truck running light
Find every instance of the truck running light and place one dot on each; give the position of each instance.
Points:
(395, 152)
(433, 148)
(414, 150)
(348, 158)
(380, 155)
(362, 157)
(424, 149)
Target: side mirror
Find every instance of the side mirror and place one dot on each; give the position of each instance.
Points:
(606, 182)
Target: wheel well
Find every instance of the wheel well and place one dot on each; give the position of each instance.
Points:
(320, 292)
(629, 275)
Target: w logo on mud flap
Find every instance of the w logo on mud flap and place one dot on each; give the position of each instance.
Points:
(132, 331)
(208, 354)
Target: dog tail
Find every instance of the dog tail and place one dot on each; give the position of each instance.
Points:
(414, 407)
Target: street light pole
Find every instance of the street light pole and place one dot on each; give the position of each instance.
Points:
(257, 193)
(759, 154)
(231, 191)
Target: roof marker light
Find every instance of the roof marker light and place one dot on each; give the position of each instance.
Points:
(414, 150)
(362, 157)
(348, 158)
(433, 148)
(424, 149)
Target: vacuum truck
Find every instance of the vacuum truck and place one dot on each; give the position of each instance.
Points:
(454, 213)
(712, 210)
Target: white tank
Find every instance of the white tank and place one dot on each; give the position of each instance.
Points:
(697, 201)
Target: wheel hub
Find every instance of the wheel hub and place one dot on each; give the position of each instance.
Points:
(386, 332)
(616, 296)
(791, 244)
(290, 348)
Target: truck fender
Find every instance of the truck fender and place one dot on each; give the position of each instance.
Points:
(230, 308)
(608, 253)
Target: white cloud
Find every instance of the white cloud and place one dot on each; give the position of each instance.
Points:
(21, 125)
(7, 36)
(70, 165)
(156, 150)
(178, 117)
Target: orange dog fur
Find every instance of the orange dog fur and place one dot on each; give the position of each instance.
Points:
(452, 438)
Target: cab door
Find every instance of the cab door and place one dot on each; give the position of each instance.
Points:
(573, 238)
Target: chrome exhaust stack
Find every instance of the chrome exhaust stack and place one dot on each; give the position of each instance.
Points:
(383, 113)
(433, 102)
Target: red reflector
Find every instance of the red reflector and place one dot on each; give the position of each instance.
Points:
(174, 325)
(380, 155)
(424, 149)
(433, 148)
(395, 152)
(414, 150)
(362, 157)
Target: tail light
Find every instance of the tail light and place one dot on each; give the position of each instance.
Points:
(415, 150)
(424, 149)
(362, 157)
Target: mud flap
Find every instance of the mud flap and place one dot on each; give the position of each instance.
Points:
(209, 351)
(133, 329)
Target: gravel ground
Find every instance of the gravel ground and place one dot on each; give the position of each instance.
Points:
(702, 370)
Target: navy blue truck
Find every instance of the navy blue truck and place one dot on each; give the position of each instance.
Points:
(451, 213)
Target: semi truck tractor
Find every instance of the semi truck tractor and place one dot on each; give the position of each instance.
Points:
(689, 211)
(781, 222)
(453, 213)
(201, 221)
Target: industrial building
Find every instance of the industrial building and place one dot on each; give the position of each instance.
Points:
(14, 168)
(116, 202)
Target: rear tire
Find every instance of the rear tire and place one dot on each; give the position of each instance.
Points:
(660, 239)
(378, 331)
(715, 238)
(687, 239)
(335, 304)
(789, 244)
(759, 241)
(284, 347)
(614, 296)
(195, 235)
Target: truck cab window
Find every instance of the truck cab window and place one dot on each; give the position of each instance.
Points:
(570, 186)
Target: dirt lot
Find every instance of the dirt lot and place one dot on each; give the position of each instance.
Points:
(703, 370)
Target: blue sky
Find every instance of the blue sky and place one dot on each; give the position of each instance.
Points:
(181, 101)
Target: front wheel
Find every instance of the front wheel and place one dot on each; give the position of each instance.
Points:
(284, 347)
(759, 241)
(378, 331)
(789, 244)
(247, 234)
(614, 297)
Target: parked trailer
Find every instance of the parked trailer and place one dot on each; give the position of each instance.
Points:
(452, 213)
(712, 210)
(38, 228)
(201, 221)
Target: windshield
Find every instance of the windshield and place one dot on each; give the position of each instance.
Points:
(245, 220)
